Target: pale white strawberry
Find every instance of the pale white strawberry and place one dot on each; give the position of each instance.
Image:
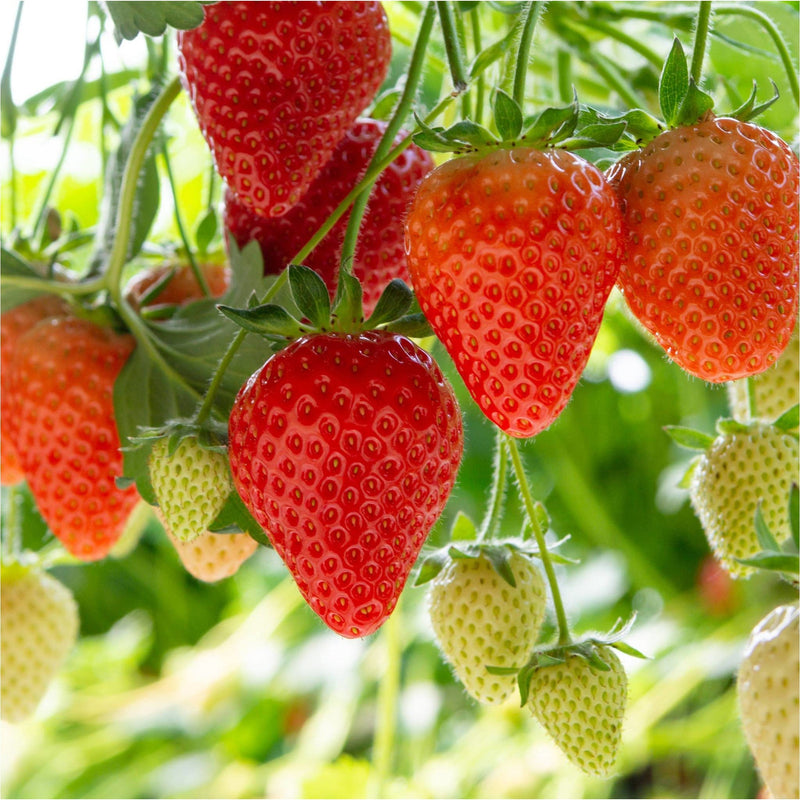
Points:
(481, 620)
(38, 627)
(741, 469)
(191, 485)
(768, 699)
(582, 707)
(774, 391)
(210, 557)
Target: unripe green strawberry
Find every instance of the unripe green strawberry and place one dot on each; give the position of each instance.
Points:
(582, 708)
(481, 620)
(210, 557)
(741, 469)
(768, 699)
(39, 625)
(191, 485)
(774, 391)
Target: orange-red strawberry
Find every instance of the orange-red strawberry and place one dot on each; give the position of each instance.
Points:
(345, 448)
(61, 381)
(380, 254)
(513, 255)
(13, 324)
(276, 85)
(712, 245)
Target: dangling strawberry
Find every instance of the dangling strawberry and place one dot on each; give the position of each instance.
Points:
(276, 85)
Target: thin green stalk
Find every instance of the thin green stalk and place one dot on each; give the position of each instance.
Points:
(198, 274)
(388, 694)
(212, 180)
(750, 387)
(413, 77)
(614, 32)
(480, 82)
(491, 521)
(530, 509)
(564, 74)
(774, 33)
(530, 16)
(208, 401)
(466, 97)
(452, 46)
(700, 40)
(57, 287)
(12, 530)
(118, 255)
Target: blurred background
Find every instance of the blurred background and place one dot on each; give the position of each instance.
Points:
(182, 689)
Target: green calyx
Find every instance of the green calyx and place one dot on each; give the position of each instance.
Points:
(587, 648)
(465, 544)
(394, 310)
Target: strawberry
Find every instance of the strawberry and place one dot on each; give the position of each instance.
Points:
(768, 699)
(480, 619)
(345, 447)
(744, 467)
(512, 255)
(380, 255)
(712, 245)
(191, 484)
(210, 557)
(175, 285)
(61, 382)
(774, 391)
(39, 622)
(13, 324)
(582, 708)
(275, 86)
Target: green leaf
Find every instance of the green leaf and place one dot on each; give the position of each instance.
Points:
(347, 306)
(674, 83)
(689, 438)
(12, 265)
(794, 513)
(686, 480)
(415, 326)
(267, 320)
(624, 647)
(789, 420)
(467, 132)
(731, 427)
(499, 559)
(385, 103)
(310, 294)
(763, 533)
(494, 52)
(463, 529)
(131, 18)
(206, 230)
(234, 517)
(695, 105)
(395, 300)
(553, 125)
(773, 560)
(507, 116)
(431, 566)
(595, 136)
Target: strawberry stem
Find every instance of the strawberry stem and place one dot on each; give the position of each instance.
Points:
(527, 22)
(530, 509)
(480, 81)
(413, 77)
(499, 475)
(452, 47)
(700, 40)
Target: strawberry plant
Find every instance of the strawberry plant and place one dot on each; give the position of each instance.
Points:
(290, 274)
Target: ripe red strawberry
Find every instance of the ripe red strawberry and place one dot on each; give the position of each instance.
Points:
(712, 245)
(512, 255)
(276, 85)
(380, 255)
(39, 622)
(767, 687)
(13, 324)
(345, 448)
(61, 382)
(180, 288)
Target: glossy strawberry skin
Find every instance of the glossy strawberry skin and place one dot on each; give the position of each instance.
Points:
(14, 323)
(512, 256)
(345, 449)
(380, 254)
(276, 85)
(712, 245)
(61, 383)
